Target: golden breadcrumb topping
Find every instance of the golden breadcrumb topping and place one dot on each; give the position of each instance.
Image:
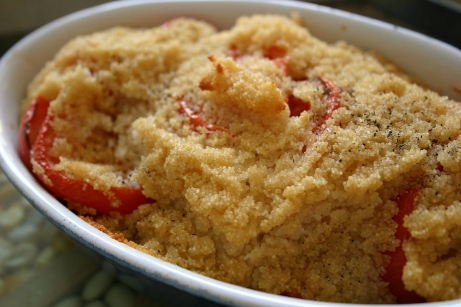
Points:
(275, 160)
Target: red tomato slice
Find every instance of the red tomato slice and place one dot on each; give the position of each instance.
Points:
(29, 128)
(233, 52)
(333, 98)
(333, 101)
(278, 56)
(196, 120)
(297, 105)
(36, 137)
(294, 294)
(394, 270)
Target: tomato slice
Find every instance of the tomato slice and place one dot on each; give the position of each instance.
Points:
(277, 55)
(36, 137)
(196, 120)
(29, 128)
(294, 294)
(333, 102)
(297, 105)
(333, 99)
(394, 270)
(233, 52)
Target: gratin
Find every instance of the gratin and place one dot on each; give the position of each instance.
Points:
(259, 156)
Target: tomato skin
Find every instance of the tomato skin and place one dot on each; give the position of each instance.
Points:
(293, 294)
(36, 137)
(196, 120)
(394, 270)
(277, 55)
(297, 105)
(333, 98)
(29, 127)
(333, 102)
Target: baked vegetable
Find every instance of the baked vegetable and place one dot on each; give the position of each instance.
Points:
(36, 137)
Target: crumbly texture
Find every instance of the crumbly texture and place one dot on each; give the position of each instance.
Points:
(289, 204)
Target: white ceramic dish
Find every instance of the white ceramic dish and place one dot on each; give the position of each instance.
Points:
(435, 63)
